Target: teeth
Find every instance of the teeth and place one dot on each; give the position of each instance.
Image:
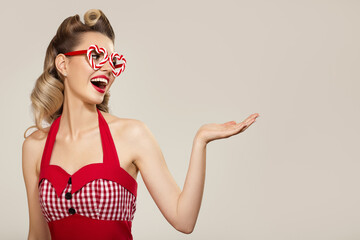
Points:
(99, 80)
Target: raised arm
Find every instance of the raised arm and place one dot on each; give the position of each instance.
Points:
(38, 228)
(180, 207)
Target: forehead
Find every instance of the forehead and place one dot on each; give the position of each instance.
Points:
(95, 38)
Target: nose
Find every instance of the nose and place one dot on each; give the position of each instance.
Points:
(106, 67)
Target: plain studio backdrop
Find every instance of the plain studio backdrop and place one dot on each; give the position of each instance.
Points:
(293, 175)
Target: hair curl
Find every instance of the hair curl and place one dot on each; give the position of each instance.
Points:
(47, 97)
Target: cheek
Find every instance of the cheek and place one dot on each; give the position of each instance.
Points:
(109, 86)
(81, 69)
(112, 81)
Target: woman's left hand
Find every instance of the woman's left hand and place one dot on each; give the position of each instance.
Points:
(212, 131)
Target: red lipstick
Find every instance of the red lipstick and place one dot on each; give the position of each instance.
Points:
(97, 88)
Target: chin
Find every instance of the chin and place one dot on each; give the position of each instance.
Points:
(96, 99)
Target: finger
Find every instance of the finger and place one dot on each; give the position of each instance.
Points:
(233, 130)
(248, 125)
(241, 125)
(229, 123)
(251, 118)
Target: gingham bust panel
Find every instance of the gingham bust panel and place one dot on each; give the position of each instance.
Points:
(99, 199)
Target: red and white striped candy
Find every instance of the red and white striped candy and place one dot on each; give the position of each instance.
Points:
(97, 50)
(120, 58)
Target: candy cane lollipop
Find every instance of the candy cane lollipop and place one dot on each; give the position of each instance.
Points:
(121, 68)
(98, 51)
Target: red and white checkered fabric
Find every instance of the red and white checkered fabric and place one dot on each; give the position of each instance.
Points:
(99, 199)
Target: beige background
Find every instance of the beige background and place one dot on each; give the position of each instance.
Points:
(293, 175)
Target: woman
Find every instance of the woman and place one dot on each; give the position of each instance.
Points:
(80, 173)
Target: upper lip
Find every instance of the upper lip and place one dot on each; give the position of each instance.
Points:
(102, 76)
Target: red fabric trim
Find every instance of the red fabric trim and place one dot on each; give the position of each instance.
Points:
(110, 169)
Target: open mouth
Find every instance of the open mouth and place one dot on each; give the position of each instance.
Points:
(99, 82)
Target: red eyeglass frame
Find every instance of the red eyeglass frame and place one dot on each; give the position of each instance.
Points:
(95, 48)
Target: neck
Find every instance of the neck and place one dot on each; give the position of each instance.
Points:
(77, 119)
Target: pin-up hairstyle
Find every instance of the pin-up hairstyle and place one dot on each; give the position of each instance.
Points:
(47, 97)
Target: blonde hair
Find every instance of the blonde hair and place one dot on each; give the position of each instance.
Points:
(47, 97)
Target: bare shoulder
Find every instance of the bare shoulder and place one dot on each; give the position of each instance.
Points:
(129, 136)
(33, 147)
(36, 139)
(130, 128)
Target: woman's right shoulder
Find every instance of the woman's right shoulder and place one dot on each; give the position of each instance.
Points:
(37, 137)
(33, 147)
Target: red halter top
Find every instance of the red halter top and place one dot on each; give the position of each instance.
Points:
(98, 201)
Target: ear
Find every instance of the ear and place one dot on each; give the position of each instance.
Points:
(61, 64)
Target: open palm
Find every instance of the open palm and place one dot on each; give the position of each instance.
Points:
(212, 131)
